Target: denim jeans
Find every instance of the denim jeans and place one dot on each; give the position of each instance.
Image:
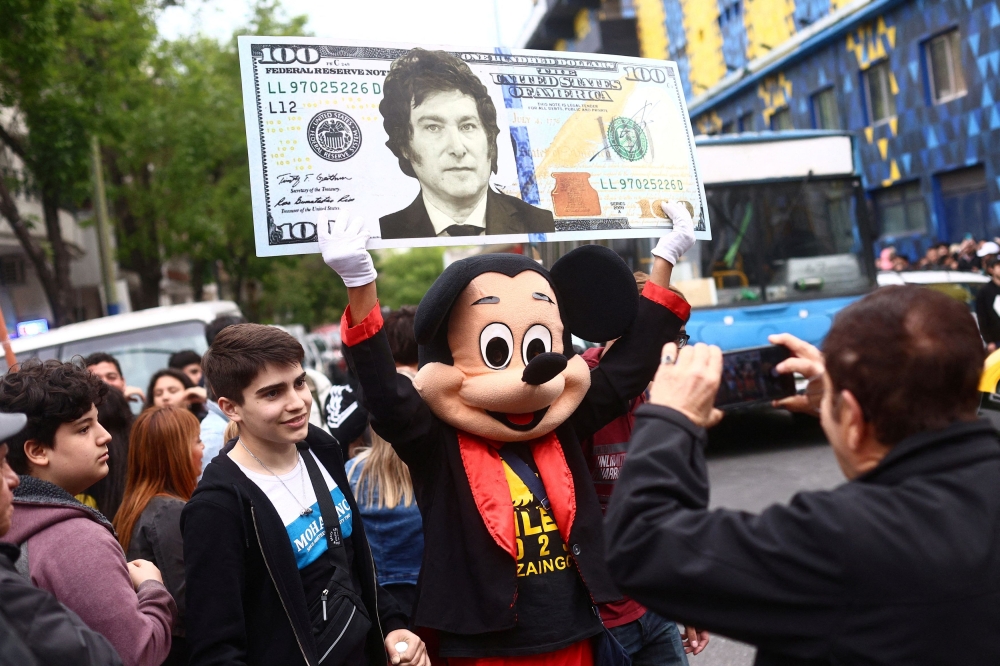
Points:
(652, 641)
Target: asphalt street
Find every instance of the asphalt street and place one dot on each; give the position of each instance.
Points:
(754, 460)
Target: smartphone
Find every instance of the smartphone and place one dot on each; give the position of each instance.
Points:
(750, 376)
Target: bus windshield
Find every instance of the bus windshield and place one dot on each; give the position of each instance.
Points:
(786, 240)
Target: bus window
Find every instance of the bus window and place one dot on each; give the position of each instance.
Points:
(784, 241)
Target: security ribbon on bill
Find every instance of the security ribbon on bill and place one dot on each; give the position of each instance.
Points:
(444, 146)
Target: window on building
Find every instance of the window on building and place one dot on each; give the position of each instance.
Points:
(729, 127)
(901, 209)
(825, 112)
(881, 101)
(963, 204)
(745, 122)
(943, 59)
(782, 119)
(12, 270)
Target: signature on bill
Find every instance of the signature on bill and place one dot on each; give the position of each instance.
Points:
(295, 180)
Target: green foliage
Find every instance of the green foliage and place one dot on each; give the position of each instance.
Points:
(63, 64)
(404, 277)
(302, 290)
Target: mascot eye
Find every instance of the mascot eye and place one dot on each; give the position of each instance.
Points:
(537, 340)
(496, 343)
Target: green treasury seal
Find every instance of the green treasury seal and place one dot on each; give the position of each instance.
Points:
(627, 139)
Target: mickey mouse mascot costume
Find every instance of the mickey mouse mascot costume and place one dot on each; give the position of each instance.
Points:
(491, 427)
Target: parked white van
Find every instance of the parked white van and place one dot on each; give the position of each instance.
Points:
(142, 341)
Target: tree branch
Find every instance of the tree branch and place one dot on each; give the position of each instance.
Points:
(8, 209)
(12, 142)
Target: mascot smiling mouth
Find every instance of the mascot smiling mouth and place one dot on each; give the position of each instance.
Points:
(521, 422)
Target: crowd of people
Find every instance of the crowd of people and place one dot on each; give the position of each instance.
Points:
(254, 513)
(970, 255)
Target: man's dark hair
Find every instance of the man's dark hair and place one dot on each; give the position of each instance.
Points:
(49, 393)
(219, 323)
(399, 329)
(240, 353)
(911, 356)
(166, 372)
(102, 357)
(414, 76)
(182, 359)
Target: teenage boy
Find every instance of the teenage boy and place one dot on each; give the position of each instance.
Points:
(71, 549)
(33, 621)
(267, 581)
(187, 361)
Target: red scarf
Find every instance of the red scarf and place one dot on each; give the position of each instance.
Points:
(488, 482)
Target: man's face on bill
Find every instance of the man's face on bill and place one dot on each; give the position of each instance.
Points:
(449, 151)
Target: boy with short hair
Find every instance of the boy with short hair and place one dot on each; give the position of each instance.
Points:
(71, 549)
(260, 562)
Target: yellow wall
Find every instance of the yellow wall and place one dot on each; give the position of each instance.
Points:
(704, 47)
(651, 20)
(768, 24)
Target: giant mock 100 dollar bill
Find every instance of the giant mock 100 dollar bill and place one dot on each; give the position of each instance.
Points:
(445, 146)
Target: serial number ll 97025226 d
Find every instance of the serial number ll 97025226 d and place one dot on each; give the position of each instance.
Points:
(328, 87)
(665, 184)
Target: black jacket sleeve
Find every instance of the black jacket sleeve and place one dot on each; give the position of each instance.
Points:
(159, 540)
(214, 546)
(53, 633)
(626, 368)
(399, 415)
(989, 320)
(774, 579)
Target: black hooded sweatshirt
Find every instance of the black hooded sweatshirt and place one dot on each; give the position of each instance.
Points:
(245, 600)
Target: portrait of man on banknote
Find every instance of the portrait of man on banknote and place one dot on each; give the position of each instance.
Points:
(442, 127)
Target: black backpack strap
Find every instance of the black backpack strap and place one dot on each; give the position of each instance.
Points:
(331, 520)
(526, 474)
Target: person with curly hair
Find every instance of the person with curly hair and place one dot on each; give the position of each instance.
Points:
(68, 548)
(442, 127)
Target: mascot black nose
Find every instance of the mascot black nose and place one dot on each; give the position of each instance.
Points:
(543, 367)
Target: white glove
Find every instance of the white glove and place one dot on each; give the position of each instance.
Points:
(672, 246)
(342, 242)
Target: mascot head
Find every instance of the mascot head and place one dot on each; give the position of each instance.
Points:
(495, 338)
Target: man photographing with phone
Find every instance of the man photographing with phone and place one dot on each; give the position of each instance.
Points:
(896, 566)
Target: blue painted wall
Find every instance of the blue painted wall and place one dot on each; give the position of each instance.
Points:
(925, 139)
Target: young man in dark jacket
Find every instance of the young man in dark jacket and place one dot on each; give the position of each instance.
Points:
(897, 566)
(260, 563)
(34, 627)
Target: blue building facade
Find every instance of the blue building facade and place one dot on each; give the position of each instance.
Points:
(917, 80)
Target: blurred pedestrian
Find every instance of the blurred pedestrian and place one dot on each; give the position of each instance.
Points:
(163, 468)
(107, 368)
(874, 571)
(648, 638)
(173, 387)
(69, 549)
(988, 305)
(116, 417)
(35, 629)
(382, 486)
(188, 362)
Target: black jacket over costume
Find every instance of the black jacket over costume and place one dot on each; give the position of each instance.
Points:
(504, 215)
(468, 583)
(899, 566)
(42, 630)
(245, 601)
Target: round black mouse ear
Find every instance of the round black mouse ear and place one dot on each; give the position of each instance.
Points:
(597, 293)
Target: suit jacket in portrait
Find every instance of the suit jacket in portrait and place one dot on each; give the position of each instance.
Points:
(504, 215)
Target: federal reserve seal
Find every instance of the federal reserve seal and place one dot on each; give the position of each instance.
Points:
(627, 139)
(334, 135)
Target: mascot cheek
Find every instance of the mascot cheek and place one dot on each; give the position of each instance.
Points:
(439, 385)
